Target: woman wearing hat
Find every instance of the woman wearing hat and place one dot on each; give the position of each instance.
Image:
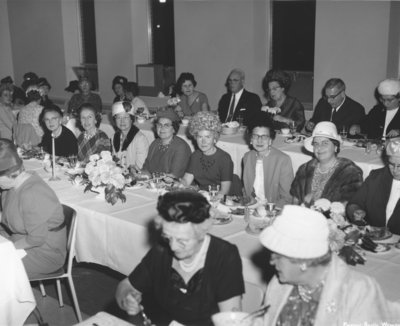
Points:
(92, 140)
(377, 201)
(138, 105)
(189, 274)
(119, 84)
(28, 131)
(326, 175)
(208, 165)
(129, 144)
(168, 153)
(85, 96)
(45, 88)
(312, 286)
(32, 216)
(64, 139)
(7, 117)
(384, 118)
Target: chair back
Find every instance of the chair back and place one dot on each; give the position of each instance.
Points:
(70, 221)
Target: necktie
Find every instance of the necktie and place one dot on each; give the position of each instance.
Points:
(333, 114)
(231, 109)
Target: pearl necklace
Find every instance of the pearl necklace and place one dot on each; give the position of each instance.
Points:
(191, 267)
(331, 166)
(306, 294)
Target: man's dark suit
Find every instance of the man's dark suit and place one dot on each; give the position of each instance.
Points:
(373, 197)
(249, 107)
(350, 113)
(374, 123)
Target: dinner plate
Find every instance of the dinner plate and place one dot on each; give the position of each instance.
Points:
(381, 248)
(239, 201)
(378, 233)
(221, 218)
(138, 185)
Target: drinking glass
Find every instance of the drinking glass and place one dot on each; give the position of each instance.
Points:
(343, 132)
(240, 121)
(368, 147)
(72, 161)
(213, 191)
(292, 126)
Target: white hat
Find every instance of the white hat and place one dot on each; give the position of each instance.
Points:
(322, 129)
(299, 232)
(389, 87)
(118, 107)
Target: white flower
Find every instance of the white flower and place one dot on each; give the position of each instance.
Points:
(105, 177)
(322, 205)
(93, 158)
(173, 101)
(336, 236)
(106, 156)
(118, 181)
(337, 208)
(89, 168)
(96, 180)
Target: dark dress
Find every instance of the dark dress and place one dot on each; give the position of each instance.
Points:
(291, 108)
(65, 144)
(210, 169)
(167, 297)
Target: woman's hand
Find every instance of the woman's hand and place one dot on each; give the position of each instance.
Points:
(128, 298)
(393, 133)
(280, 118)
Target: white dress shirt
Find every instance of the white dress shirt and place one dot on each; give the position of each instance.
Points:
(393, 199)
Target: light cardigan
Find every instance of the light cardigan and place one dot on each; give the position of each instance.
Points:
(348, 297)
(136, 151)
(278, 175)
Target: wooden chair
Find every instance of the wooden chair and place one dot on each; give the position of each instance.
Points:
(66, 270)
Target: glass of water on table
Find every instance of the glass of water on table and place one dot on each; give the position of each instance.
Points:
(213, 191)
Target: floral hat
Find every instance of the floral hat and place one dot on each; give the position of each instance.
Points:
(322, 129)
(389, 87)
(168, 114)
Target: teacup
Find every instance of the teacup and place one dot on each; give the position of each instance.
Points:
(285, 131)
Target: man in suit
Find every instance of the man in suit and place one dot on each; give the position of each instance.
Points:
(335, 106)
(238, 103)
(378, 199)
(384, 118)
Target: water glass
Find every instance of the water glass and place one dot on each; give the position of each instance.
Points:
(292, 126)
(343, 132)
(213, 191)
(240, 121)
(368, 148)
(72, 161)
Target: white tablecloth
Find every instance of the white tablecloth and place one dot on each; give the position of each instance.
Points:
(116, 236)
(16, 296)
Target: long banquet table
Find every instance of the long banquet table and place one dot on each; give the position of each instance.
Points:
(117, 236)
(16, 296)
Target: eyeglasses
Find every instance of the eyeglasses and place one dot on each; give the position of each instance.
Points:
(332, 97)
(181, 242)
(124, 118)
(387, 100)
(323, 144)
(165, 126)
(258, 137)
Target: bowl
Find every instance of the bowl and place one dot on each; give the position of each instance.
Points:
(231, 318)
(229, 131)
(285, 131)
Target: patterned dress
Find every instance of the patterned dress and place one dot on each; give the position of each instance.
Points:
(92, 145)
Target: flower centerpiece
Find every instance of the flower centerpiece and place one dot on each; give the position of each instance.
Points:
(103, 174)
(173, 101)
(343, 236)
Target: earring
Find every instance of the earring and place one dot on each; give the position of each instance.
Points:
(303, 267)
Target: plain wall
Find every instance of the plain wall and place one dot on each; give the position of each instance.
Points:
(351, 42)
(6, 61)
(122, 41)
(214, 36)
(394, 41)
(37, 41)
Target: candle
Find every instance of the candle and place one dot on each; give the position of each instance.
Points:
(53, 150)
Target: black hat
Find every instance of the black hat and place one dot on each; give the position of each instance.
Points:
(30, 76)
(7, 80)
(119, 80)
(43, 82)
(73, 86)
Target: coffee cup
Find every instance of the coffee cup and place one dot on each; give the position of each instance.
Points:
(285, 131)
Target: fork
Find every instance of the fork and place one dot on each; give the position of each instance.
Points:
(257, 313)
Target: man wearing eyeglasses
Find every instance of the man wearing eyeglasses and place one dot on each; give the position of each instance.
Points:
(383, 121)
(238, 104)
(336, 107)
(377, 202)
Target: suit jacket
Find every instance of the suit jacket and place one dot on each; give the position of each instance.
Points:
(249, 106)
(374, 122)
(350, 113)
(373, 197)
